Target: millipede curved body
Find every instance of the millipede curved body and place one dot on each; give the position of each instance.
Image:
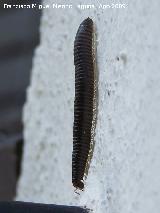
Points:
(83, 103)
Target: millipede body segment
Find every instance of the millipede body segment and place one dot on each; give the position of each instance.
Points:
(84, 100)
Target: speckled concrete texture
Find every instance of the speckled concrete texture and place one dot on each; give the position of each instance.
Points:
(124, 175)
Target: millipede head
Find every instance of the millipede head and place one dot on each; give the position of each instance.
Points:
(78, 185)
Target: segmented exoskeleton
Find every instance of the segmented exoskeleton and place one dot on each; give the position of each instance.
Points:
(84, 100)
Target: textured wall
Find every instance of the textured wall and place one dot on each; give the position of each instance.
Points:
(125, 169)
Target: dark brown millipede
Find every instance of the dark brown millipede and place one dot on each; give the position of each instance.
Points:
(84, 100)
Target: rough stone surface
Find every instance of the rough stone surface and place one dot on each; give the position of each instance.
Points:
(125, 170)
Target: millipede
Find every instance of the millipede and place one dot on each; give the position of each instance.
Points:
(84, 102)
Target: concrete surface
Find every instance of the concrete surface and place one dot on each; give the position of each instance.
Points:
(18, 37)
(124, 173)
